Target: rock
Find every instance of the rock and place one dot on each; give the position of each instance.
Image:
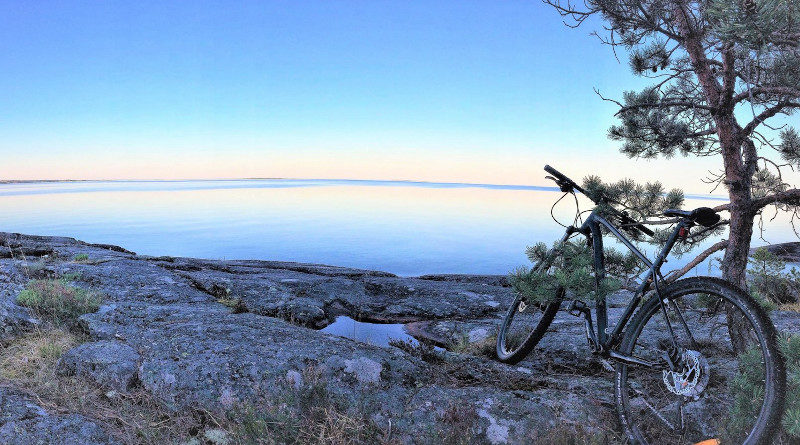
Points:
(478, 334)
(294, 378)
(490, 280)
(365, 370)
(315, 299)
(22, 422)
(166, 325)
(14, 319)
(789, 252)
(204, 354)
(217, 436)
(110, 363)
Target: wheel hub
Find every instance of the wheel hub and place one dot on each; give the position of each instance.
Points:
(690, 377)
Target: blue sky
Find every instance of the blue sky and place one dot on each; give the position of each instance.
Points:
(474, 91)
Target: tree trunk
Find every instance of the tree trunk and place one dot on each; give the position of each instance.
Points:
(738, 157)
(734, 262)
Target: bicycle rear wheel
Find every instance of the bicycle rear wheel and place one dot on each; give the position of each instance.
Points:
(701, 387)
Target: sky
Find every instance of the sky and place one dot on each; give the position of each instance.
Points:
(451, 91)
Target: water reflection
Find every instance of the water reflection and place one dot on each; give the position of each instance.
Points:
(378, 334)
(405, 228)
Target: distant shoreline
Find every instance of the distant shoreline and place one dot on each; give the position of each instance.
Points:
(40, 181)
(331, 181)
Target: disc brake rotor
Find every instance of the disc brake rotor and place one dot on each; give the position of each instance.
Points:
(692, 376)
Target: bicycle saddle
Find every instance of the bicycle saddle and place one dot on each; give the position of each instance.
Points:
(704, 216)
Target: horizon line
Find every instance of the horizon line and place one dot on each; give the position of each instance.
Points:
(394, 181)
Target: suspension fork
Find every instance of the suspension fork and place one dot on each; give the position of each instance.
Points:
(601, 309)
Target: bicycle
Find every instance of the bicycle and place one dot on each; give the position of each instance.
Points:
(678, 374)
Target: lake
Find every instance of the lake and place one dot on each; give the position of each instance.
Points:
(408, 228)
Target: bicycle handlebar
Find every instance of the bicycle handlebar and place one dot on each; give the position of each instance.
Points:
(566, 184)
(562, 178)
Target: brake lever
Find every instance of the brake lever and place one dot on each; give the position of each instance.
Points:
(564, 186)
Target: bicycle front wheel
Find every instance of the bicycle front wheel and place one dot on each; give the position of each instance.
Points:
(524, 325)
(716, 374)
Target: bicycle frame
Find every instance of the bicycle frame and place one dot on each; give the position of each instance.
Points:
(603, 342)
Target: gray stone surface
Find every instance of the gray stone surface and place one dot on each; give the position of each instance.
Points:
(167, 325)
(109, 363)
(22, 422)
(314, 297)
(789, 252)
(14, 319)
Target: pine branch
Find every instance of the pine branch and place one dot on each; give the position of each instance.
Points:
(790, 197)
(661, 104)
(677, 273)
(789, 91)
(766, 114)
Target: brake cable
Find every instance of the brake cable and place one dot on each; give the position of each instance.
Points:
(554, 206)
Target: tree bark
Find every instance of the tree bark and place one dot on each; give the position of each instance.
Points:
(737, 155)
(739, 158)
(734, 262)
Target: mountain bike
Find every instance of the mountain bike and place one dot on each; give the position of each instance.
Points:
(696, 360)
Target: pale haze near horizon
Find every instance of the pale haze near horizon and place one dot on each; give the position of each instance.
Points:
(479, 92)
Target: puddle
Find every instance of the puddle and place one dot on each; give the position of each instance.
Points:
(377, 334)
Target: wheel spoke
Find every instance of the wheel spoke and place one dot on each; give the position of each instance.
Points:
(683, 323)
(655, 411)
(709, 389)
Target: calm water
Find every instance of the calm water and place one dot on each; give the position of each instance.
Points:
(372, 333)
(401, 227)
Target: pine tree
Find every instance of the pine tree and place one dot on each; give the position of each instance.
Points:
(712, 62)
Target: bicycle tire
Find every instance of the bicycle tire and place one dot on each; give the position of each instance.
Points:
(548, 313)
(764, 338)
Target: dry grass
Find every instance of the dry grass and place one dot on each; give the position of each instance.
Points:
(575, 435)
(793, 307)
(306, 414)
(482, 348)
(29, 363)
(57, 301)
(33, 357)
(458, 425)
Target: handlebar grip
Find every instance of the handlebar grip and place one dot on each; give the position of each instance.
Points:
(562, 177)
(556, 173)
